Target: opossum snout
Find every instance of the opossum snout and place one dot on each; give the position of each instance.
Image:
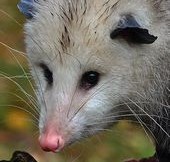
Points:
(51, 141)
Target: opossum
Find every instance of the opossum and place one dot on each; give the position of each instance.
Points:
(96, 62)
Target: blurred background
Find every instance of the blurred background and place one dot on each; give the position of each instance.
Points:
(18, 124)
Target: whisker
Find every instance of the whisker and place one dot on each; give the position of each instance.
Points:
(30, 98)
(20, 108)
(23, 54)
(143, 125)
(41, 93)
(126, 115)
(77, 157)
(23, 70)
(96, 122)
(12, 49)
(99, 89)
(88, 98)
(77, 84)
(150, 117)
(23, 100)
(9, 16)
(17, 76)
(152, 100)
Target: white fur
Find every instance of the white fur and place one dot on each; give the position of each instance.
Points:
(127, 69)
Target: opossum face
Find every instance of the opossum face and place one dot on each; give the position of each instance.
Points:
(87, 58)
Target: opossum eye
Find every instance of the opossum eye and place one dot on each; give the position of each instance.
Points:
(89, 79)
(47, 73)
(129, 29)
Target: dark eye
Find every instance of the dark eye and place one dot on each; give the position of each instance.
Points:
(89, 79)
(47, 73)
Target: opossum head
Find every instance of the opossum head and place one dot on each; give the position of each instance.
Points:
(88, 58)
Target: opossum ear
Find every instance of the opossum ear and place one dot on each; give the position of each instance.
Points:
(27, 7)
(129, 29)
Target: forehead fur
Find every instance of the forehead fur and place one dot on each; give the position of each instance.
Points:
(61, 26)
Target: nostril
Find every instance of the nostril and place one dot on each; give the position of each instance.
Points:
(51, 142)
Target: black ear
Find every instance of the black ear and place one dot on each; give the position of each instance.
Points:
(27, 7)
(129, 29)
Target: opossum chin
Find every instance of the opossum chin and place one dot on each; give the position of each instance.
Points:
(55, 142)
(60, 131)
(52, 140)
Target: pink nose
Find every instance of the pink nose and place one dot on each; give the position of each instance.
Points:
(51, 142)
